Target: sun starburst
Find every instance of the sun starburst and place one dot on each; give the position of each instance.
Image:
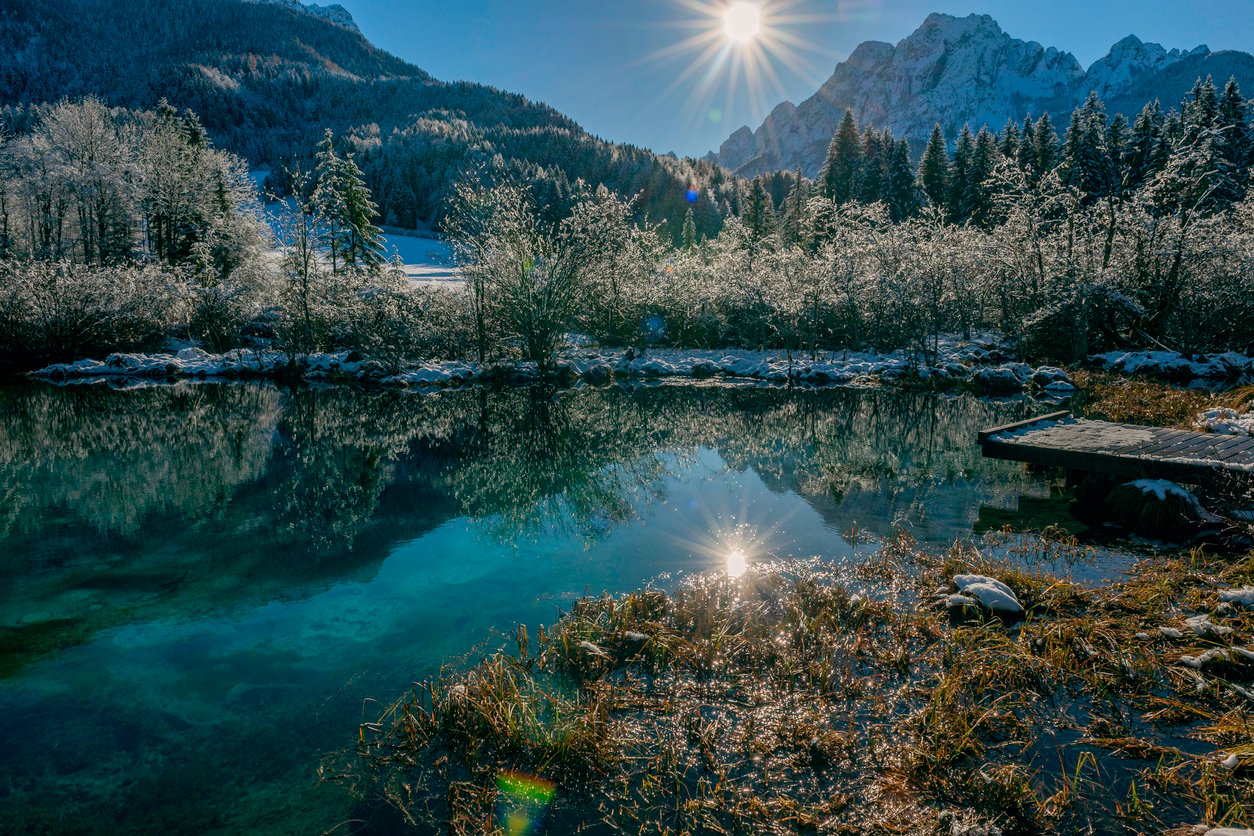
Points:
(736, 50)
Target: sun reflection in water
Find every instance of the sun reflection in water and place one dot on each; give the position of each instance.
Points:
(737, 564)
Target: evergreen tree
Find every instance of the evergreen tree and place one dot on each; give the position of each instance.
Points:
(1201, 110)
(690, 230)
(1026, 155)
(836, 180)
(1117, 137)
(795, 209)
(960, 179)
(1144, 157)
(1046, 145)
(759, 214)
(1009, 140)
(870, 181)
(1236, 150)
(979, 194)
(346, 212)
(899, 188)
(934, 170)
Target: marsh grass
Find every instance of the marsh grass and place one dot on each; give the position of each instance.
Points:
(1136, 400)
(786, 702)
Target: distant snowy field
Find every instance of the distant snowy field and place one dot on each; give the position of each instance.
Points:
(427, 260)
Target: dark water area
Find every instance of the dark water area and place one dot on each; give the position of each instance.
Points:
(204, 589)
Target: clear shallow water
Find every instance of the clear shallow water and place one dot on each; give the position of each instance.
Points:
(205, 588)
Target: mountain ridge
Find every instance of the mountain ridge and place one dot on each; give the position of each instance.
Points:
(966, 70)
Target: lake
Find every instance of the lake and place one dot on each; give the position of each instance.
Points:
(207, 587)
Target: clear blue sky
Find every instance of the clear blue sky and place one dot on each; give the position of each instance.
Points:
(604, 62)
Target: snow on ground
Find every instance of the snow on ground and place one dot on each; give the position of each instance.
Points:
(1225, 421)
(1176, 366)
(958, 361)
(427, 260)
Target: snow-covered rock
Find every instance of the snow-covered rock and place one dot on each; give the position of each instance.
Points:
(1243, 596)
(990, 592)
(1172, 365)
(1225, 421)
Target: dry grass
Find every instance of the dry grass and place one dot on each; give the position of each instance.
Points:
(793, 704)
(1141, 401)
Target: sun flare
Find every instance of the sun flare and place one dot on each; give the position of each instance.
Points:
(737, 564)
(742, 22)
(736, 50)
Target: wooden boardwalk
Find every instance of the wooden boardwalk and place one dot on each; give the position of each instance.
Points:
(1123, 450)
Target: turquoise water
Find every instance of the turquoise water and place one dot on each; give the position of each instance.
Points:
(205, 588)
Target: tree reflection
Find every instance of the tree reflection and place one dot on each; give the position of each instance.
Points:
(217, 493)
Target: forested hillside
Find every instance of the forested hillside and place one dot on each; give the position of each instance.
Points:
(264, 79)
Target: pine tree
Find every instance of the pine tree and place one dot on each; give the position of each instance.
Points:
(934, 170)
(1009, 139)
(690, 230)
(759, 214)
(346, 212)
(1117, 136)
(1026, 155)
(964, 152)
(1144, 157)
(899, 188)
(1201, 110)
(870, 181)
(1236, 151)
(1046, 145)
(979, 195)
(836, 180)
(795, 208)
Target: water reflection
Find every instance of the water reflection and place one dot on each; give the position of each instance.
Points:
(211, 578)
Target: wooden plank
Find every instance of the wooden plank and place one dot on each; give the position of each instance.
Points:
(1164, 441)
(1095, 446)
(1193, 449)
(1018, 425)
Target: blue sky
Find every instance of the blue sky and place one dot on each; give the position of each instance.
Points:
(605, 62)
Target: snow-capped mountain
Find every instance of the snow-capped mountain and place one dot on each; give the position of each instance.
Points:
(335, 13)
(956, 71)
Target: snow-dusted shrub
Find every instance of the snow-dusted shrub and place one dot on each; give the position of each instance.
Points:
(64, 311)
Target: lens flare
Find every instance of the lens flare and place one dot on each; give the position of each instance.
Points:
(522, 803)
(736, 50)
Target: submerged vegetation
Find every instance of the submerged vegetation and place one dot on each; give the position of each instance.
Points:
(818, 700)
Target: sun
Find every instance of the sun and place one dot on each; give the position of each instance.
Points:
(742, 22)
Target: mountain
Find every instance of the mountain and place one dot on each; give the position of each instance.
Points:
(954, 71)
(266, 77)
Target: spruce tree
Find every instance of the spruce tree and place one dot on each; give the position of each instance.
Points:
(1010, 139)
(979, 195)
(1026, 156)
(759, 213)
(795, 208)
(964, 152)
(690, 230)
(934, 170)
(1236, 151)
(870, 181)
(836, 180)
(899, 188)
(1144, 157)
(1046, 145)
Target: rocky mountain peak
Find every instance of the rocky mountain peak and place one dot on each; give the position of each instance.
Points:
(951, 71)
